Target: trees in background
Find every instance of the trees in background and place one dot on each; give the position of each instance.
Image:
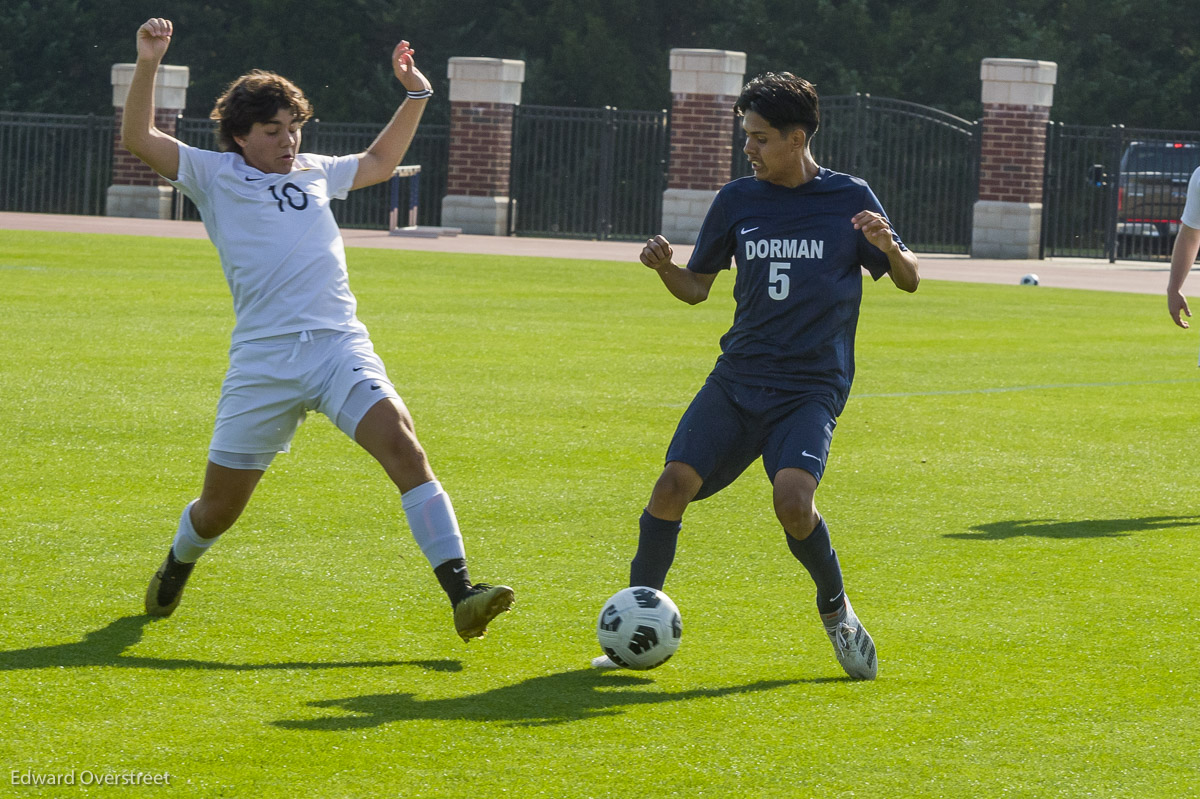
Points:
(1134, 64)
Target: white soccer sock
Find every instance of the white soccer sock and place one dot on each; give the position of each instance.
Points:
(188, 545)
(433, 524)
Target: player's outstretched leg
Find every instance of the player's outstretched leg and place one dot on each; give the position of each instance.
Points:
(481, 604)
(852, 643)
(435, 528)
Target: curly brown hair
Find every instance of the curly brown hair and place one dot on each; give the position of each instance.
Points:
(256, 96)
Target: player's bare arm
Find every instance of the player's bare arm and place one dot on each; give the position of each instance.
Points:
(684, 284)
(904, 268)
(138, 132)
(1187, 244)
(377, 163)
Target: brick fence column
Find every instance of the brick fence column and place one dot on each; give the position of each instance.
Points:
(1017, 97)
(704, 86)
(484, 92)
(136, 189)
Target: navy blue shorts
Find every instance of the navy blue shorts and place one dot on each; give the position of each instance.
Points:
(729, 425)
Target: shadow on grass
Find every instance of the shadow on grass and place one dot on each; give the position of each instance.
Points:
(106, 647)
(554, 699)
(1084, 528)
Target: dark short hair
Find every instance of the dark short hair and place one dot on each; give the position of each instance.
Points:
(256, 96)
(785, 101)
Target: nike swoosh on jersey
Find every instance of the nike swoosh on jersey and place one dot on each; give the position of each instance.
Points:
(808, 454)
(746, 230)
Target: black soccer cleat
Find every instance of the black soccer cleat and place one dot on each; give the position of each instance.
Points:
(166, 587)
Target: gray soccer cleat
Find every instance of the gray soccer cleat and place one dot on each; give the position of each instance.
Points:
(604, 662)
(166, 586)
(484, 603)
(853, 646)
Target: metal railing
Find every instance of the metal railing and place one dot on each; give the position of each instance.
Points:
(1078, 210)
(587, 172)
(55, 163)
(922, 164)
(1115, 192)
(594, 173)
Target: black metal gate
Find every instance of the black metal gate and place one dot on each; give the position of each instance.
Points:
(55, 163)
(594, 173)
(922, 164)
(1115, 192)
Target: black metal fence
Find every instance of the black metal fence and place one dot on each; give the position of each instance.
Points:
(1115, 192)
(1077, 213)
(922, 164)
(55, 163)
(587, 173)
(1110, 192)
(365, 208)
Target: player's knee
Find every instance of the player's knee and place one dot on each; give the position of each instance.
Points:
(794, 497)
(797, 513)
(797, 521)
(403, 458)
(406, 451)
(676, 486)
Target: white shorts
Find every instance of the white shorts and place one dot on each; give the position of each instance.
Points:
(273, 383)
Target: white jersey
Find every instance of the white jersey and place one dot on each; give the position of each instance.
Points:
(280, 248)
(1191, 209)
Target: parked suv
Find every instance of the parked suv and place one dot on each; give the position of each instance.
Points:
(1151, 194)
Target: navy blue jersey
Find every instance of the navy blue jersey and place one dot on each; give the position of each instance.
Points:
(799, 279)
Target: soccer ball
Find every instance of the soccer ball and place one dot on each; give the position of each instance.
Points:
(1029, 280)
(639, 628)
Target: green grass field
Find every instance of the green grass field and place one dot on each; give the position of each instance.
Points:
(1012, 491)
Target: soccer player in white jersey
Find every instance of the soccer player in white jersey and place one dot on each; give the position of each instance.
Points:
(297, 344)
(1183, 252)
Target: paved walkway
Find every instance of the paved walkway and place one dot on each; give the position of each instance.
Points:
(1078, 273)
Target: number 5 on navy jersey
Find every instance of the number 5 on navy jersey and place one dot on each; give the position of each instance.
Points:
(779, 284)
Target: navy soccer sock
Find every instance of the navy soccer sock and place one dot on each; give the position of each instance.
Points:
(655, 552)
(817, 555)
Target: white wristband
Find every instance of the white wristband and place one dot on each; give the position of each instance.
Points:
(421, 95)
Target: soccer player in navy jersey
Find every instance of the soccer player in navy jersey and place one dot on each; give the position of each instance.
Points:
(801, 235)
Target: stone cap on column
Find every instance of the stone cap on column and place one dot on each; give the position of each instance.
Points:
(718, 72)
(1018, 81)
(170, 87)
(486, 80)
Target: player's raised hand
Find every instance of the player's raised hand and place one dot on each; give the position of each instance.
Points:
(153, 39)
(876, 228)
(406, 70)
(657, 253)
